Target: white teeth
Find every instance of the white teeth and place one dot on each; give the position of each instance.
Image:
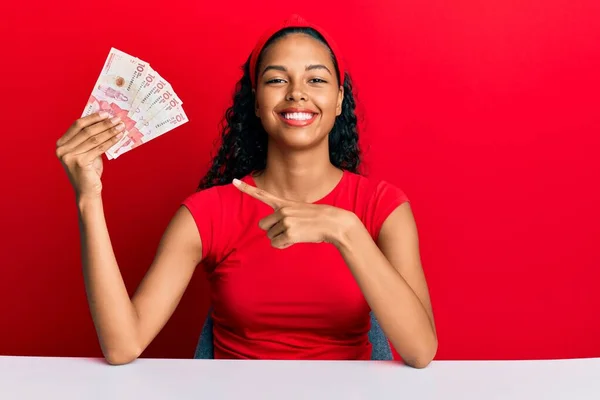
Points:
(298, 116)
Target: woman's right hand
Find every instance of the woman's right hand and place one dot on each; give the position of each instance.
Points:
(80, 151)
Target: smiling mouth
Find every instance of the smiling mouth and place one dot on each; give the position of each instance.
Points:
(298, 118)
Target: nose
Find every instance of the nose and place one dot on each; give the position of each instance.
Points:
(296, 93)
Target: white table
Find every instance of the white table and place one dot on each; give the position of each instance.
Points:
(149, 379)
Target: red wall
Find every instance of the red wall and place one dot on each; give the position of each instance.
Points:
(485, 113)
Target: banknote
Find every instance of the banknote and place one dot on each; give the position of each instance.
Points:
(149, 93)
(161, 97)
(116, 83)
(159, 125)
(131, 89)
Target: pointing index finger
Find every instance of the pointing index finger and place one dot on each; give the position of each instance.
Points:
(259, 194)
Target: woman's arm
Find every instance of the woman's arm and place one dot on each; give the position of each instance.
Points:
(126, 326)
(392, 281)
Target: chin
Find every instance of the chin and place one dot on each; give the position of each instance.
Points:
(298, 139)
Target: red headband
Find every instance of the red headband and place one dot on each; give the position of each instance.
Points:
(297, 22)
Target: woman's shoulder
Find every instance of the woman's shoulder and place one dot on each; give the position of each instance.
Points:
(217, 211)
(373, 187)
(217, 195)
(372, 199)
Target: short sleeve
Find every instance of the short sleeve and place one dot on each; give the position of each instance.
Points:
(386, 198)
(206, 209)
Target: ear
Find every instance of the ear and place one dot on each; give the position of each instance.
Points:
(255, 103)
(340, 100)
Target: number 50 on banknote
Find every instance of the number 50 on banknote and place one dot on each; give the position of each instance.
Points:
(146, 103)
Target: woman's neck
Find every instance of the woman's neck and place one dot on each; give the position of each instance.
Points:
(299, 175)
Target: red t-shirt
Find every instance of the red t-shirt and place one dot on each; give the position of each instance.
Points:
(298, 303)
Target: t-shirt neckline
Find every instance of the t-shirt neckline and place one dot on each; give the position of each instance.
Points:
(323, 199)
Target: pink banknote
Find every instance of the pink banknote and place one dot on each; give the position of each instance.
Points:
(161, 124)
(130, 89)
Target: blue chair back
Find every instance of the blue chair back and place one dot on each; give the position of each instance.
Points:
(379, 343)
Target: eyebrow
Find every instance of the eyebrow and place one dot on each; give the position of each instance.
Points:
(308, 68)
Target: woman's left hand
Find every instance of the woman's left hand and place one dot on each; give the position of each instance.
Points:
(297, 222)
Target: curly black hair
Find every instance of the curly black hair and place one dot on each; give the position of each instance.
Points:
(243, 148)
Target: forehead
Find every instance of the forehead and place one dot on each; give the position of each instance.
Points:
(297, 47)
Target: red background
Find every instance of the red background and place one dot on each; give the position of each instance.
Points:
(485, 113)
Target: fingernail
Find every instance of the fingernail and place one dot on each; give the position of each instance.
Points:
(236, 182)
(120, 135)
(120, 126)
(115, 120)
(103, 114)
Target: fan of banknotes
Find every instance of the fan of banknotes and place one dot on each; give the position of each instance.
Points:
(146, 103)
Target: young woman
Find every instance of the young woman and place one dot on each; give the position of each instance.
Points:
(298, 246)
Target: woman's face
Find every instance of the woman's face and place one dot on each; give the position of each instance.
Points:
(297, 93)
